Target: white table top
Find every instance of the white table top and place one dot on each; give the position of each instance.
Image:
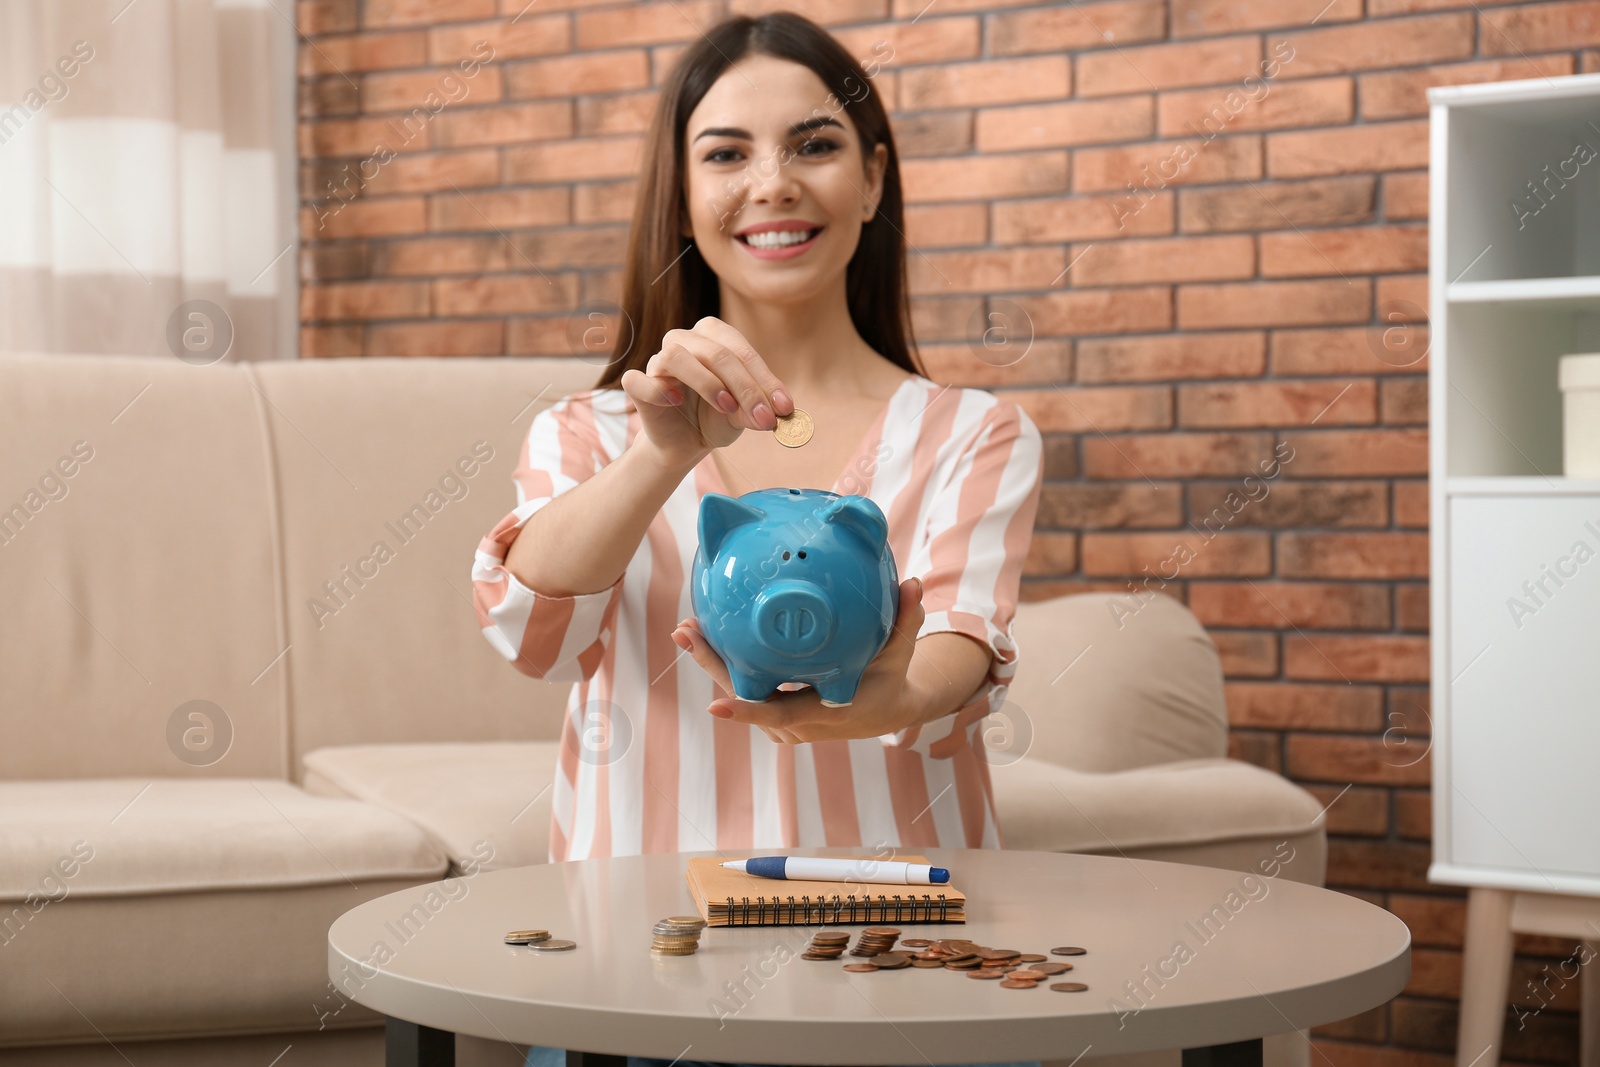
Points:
(1276, 956)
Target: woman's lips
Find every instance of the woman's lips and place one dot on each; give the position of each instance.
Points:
(786, 252)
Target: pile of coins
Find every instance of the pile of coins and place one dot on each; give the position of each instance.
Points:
(678, 935)
(1012, 968)
(794, 429)
(539, 941)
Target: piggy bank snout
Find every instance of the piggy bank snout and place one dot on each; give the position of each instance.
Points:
(793, 618)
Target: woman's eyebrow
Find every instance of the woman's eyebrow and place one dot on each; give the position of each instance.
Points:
(803, 126)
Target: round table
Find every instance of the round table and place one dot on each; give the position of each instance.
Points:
(1178, 956)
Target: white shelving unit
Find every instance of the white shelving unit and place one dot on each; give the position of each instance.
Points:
(1514, 284)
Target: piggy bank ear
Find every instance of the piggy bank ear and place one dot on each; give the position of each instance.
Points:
(860, 514)
(718, 515)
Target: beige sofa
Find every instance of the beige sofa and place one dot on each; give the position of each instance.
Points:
(168, 869)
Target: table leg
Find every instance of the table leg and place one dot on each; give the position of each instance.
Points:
(594, 1059)
(413, 1045)
(1236, 1054)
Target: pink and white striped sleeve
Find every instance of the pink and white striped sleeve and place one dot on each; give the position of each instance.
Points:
(970, 561)
(555, 638)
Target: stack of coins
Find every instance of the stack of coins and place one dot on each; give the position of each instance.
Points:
(826, 945)
(875, 940)
(678, 935)
(539, 941)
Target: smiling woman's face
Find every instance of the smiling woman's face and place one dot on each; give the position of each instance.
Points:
(747, 167)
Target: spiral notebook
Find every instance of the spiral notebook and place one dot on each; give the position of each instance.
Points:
(730, 898)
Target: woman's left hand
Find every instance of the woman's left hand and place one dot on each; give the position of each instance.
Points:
(882, 703)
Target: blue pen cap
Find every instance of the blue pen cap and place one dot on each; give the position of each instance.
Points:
(938, 875)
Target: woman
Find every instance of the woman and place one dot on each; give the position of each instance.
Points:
(767, 260)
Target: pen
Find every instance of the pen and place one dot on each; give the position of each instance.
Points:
(841, 870)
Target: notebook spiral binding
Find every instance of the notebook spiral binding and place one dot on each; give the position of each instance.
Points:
(906, 909)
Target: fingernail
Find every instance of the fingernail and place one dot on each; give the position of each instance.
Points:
(762, 414)
(682, 640)
(721, 711)
(782, 402)
(674, 397)
(726, 402)
(919, 587)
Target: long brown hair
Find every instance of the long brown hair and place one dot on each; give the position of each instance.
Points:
(667, 285)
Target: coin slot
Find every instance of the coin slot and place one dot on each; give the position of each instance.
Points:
(795, 492)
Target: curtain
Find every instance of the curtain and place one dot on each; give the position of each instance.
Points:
(147, 178)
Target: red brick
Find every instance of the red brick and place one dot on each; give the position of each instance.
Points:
(385, 14)
(329, 220)
(567, 76)
(583, 246)
(1381, 865)
(330, 341)
(1413, 810)
(1156, 165)
(1264, 750)
(1555, 27)
(1404, 402)
(364, 300)
(530, 35)
(1245, 654)
(929, 40)
(1411, 504)
(1168, 66)
(314, 17)
(1069, 28)
(1411, 608)
(1091, 311)
(1306, 605)
(1359, 810)
(1051, 554)
(1403, 298)
(1353, 250)
(1279, 205)
(933, 133)
(1286, 504)
(429, 89)
(1191, 555)
(541, 336)
(1202, 18)
(507, 124)
(1175, 455)
(1079, 218)
(1434, 973)
(1395, 349)
(1433, 920)
(603, 202)
(1299, 706)
(1344, 150)
(677, 20)
(1099, 506)
(566, 161)
(984, 178)
(1204, 307)
(1206, 112)
(1172, 259)
(1167, 357)
(1405, 196)
(499, 209)
(1004, 81)
(1404, 93)
(441, 255)
(1048, 360)
(1345, 759)
(1074, 122)
(1247, 404)
(427, 172)
(1353, 555)
(361, 138)
(503, 294)
(822, 12)
(985, 270)
(437, 338)
(622, 113)
(355, 53)
(1322, 453)
(1370, 44)
(947, 225)
(1099, 409)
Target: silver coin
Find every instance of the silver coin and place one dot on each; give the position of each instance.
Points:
(553, 945)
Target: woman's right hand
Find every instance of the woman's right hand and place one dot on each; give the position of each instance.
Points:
(709, 363)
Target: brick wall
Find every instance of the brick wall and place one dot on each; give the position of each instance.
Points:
(1209, 214)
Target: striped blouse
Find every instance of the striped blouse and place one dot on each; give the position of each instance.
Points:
(643, 767)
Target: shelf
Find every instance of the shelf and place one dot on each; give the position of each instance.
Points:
(1523, 485)
(1574, 291)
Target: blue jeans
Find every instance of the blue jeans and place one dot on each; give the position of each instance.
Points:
(540, 1056)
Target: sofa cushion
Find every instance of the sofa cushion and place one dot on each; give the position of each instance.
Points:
(1046, 808)
(164, 835)
(483, 801)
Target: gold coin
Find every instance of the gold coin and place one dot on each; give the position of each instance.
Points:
(696, 922)
(794, 430)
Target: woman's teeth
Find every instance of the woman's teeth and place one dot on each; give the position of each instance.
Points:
(778, 238)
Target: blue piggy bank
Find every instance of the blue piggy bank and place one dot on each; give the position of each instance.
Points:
(794, 585)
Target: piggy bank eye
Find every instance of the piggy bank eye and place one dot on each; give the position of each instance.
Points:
(786, 555)
(802, 553)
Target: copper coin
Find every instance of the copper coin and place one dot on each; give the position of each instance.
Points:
(1051, 968)
(966, 965)
(882, 931)
(926, 963)
(553, 946)
(997, 953)
(960, 957)
(1033, 957)
(816, 956)
(915, 942)
(994, 963)
(980, 973)
(888, 962)
(1068, 987)
(1011, 984)
(861, 966)
(1026, 973)
(1069, 951)
(831, 939)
